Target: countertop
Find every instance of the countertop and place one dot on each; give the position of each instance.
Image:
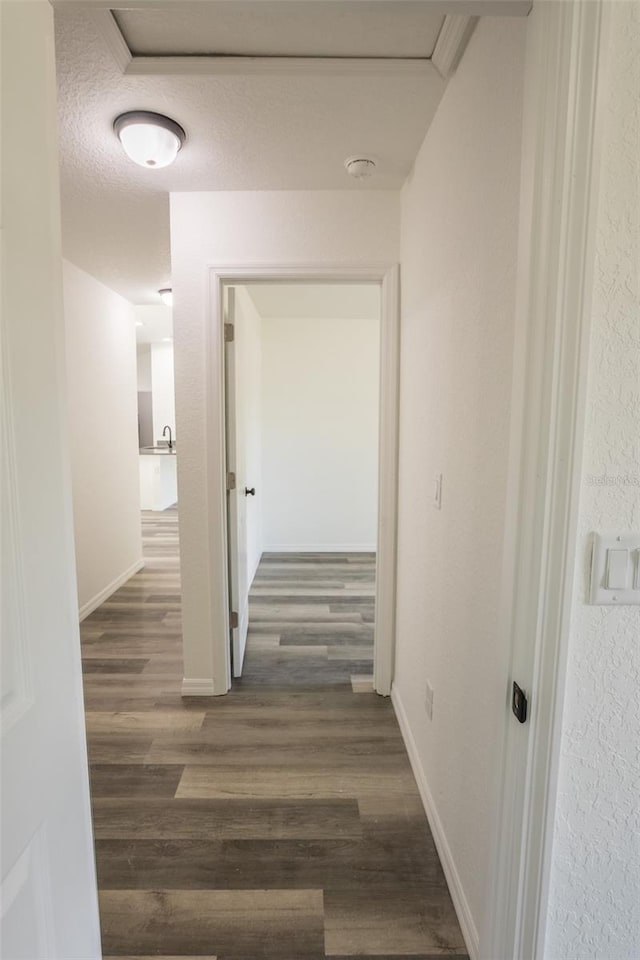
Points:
(157, 452)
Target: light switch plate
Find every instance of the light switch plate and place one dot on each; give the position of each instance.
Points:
(601, 565)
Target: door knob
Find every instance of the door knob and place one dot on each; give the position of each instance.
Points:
(249, 491)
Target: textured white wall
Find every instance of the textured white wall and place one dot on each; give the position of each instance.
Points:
(163, 390)
(320, 433)
(459, 255)
(286, 227)
(594, 908)
(103, 429)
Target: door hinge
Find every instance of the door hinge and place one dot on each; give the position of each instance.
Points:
(233, 620)
(231, 481)
(228, 333)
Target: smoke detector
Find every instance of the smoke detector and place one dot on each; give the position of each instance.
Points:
(360, 167)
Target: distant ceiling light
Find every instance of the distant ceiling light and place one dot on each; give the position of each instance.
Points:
(167, 339)
(139, 323)
(360, 167)
(149, 139)
(166, 295)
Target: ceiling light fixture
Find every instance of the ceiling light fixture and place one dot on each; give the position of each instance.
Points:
(139, 323)
(149, 139)
(166, 295)
(360, 167)
(167, 339)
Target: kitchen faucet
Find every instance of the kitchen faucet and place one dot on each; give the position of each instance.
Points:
(164, 433)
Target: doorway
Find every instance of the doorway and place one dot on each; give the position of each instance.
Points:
(157, 440)
(157, 435)
(386, 278)
(302, 390)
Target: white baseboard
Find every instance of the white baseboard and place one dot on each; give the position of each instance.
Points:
(195, 687)
(468, 927)
(321, 548)
(100, 598)
(252, 573)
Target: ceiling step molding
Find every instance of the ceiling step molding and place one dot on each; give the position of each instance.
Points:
(110, 31)
(280, 66)
(145, 66)
(451, 43)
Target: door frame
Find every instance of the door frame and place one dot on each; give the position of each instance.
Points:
(567, 54)
(237, 634)
(386, 276)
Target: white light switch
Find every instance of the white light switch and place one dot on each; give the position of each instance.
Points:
(617, 569)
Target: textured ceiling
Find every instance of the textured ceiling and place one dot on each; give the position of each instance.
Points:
(288, 28)
(316, 301)
(244, 132)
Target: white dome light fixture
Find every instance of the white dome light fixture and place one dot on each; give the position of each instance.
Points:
(149, 139)
(360, 167)
(166, 295)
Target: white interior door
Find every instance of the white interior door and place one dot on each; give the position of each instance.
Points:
(236, 484)
(47, 876)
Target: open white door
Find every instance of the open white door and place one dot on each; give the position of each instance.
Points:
(236, 496)
(47, 883)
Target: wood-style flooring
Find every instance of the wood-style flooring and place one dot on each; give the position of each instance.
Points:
(311, 619)
(281, 822)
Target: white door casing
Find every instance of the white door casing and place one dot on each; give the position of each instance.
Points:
(235, 452)
(387, 276)
(566, 64)
(48, 885)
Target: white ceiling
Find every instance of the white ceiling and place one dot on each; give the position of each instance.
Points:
(289, 28)
(154, 323)
(316, 301)
(270, 128)
(244, 132)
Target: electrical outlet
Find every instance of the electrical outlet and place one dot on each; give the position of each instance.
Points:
(428, 700)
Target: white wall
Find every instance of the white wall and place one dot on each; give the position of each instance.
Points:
(249, 422)
(320, 433)
(459, 257)
(594, 909)
(344, 227)
(102, 399)
(143, 358)
(163, 390)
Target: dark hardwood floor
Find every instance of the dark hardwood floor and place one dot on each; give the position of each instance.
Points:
(281, 821)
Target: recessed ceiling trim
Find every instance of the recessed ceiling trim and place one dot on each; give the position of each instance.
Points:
(451, 43)
(476, 8)
(251, 66)
(141, 66)
(110, 31)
